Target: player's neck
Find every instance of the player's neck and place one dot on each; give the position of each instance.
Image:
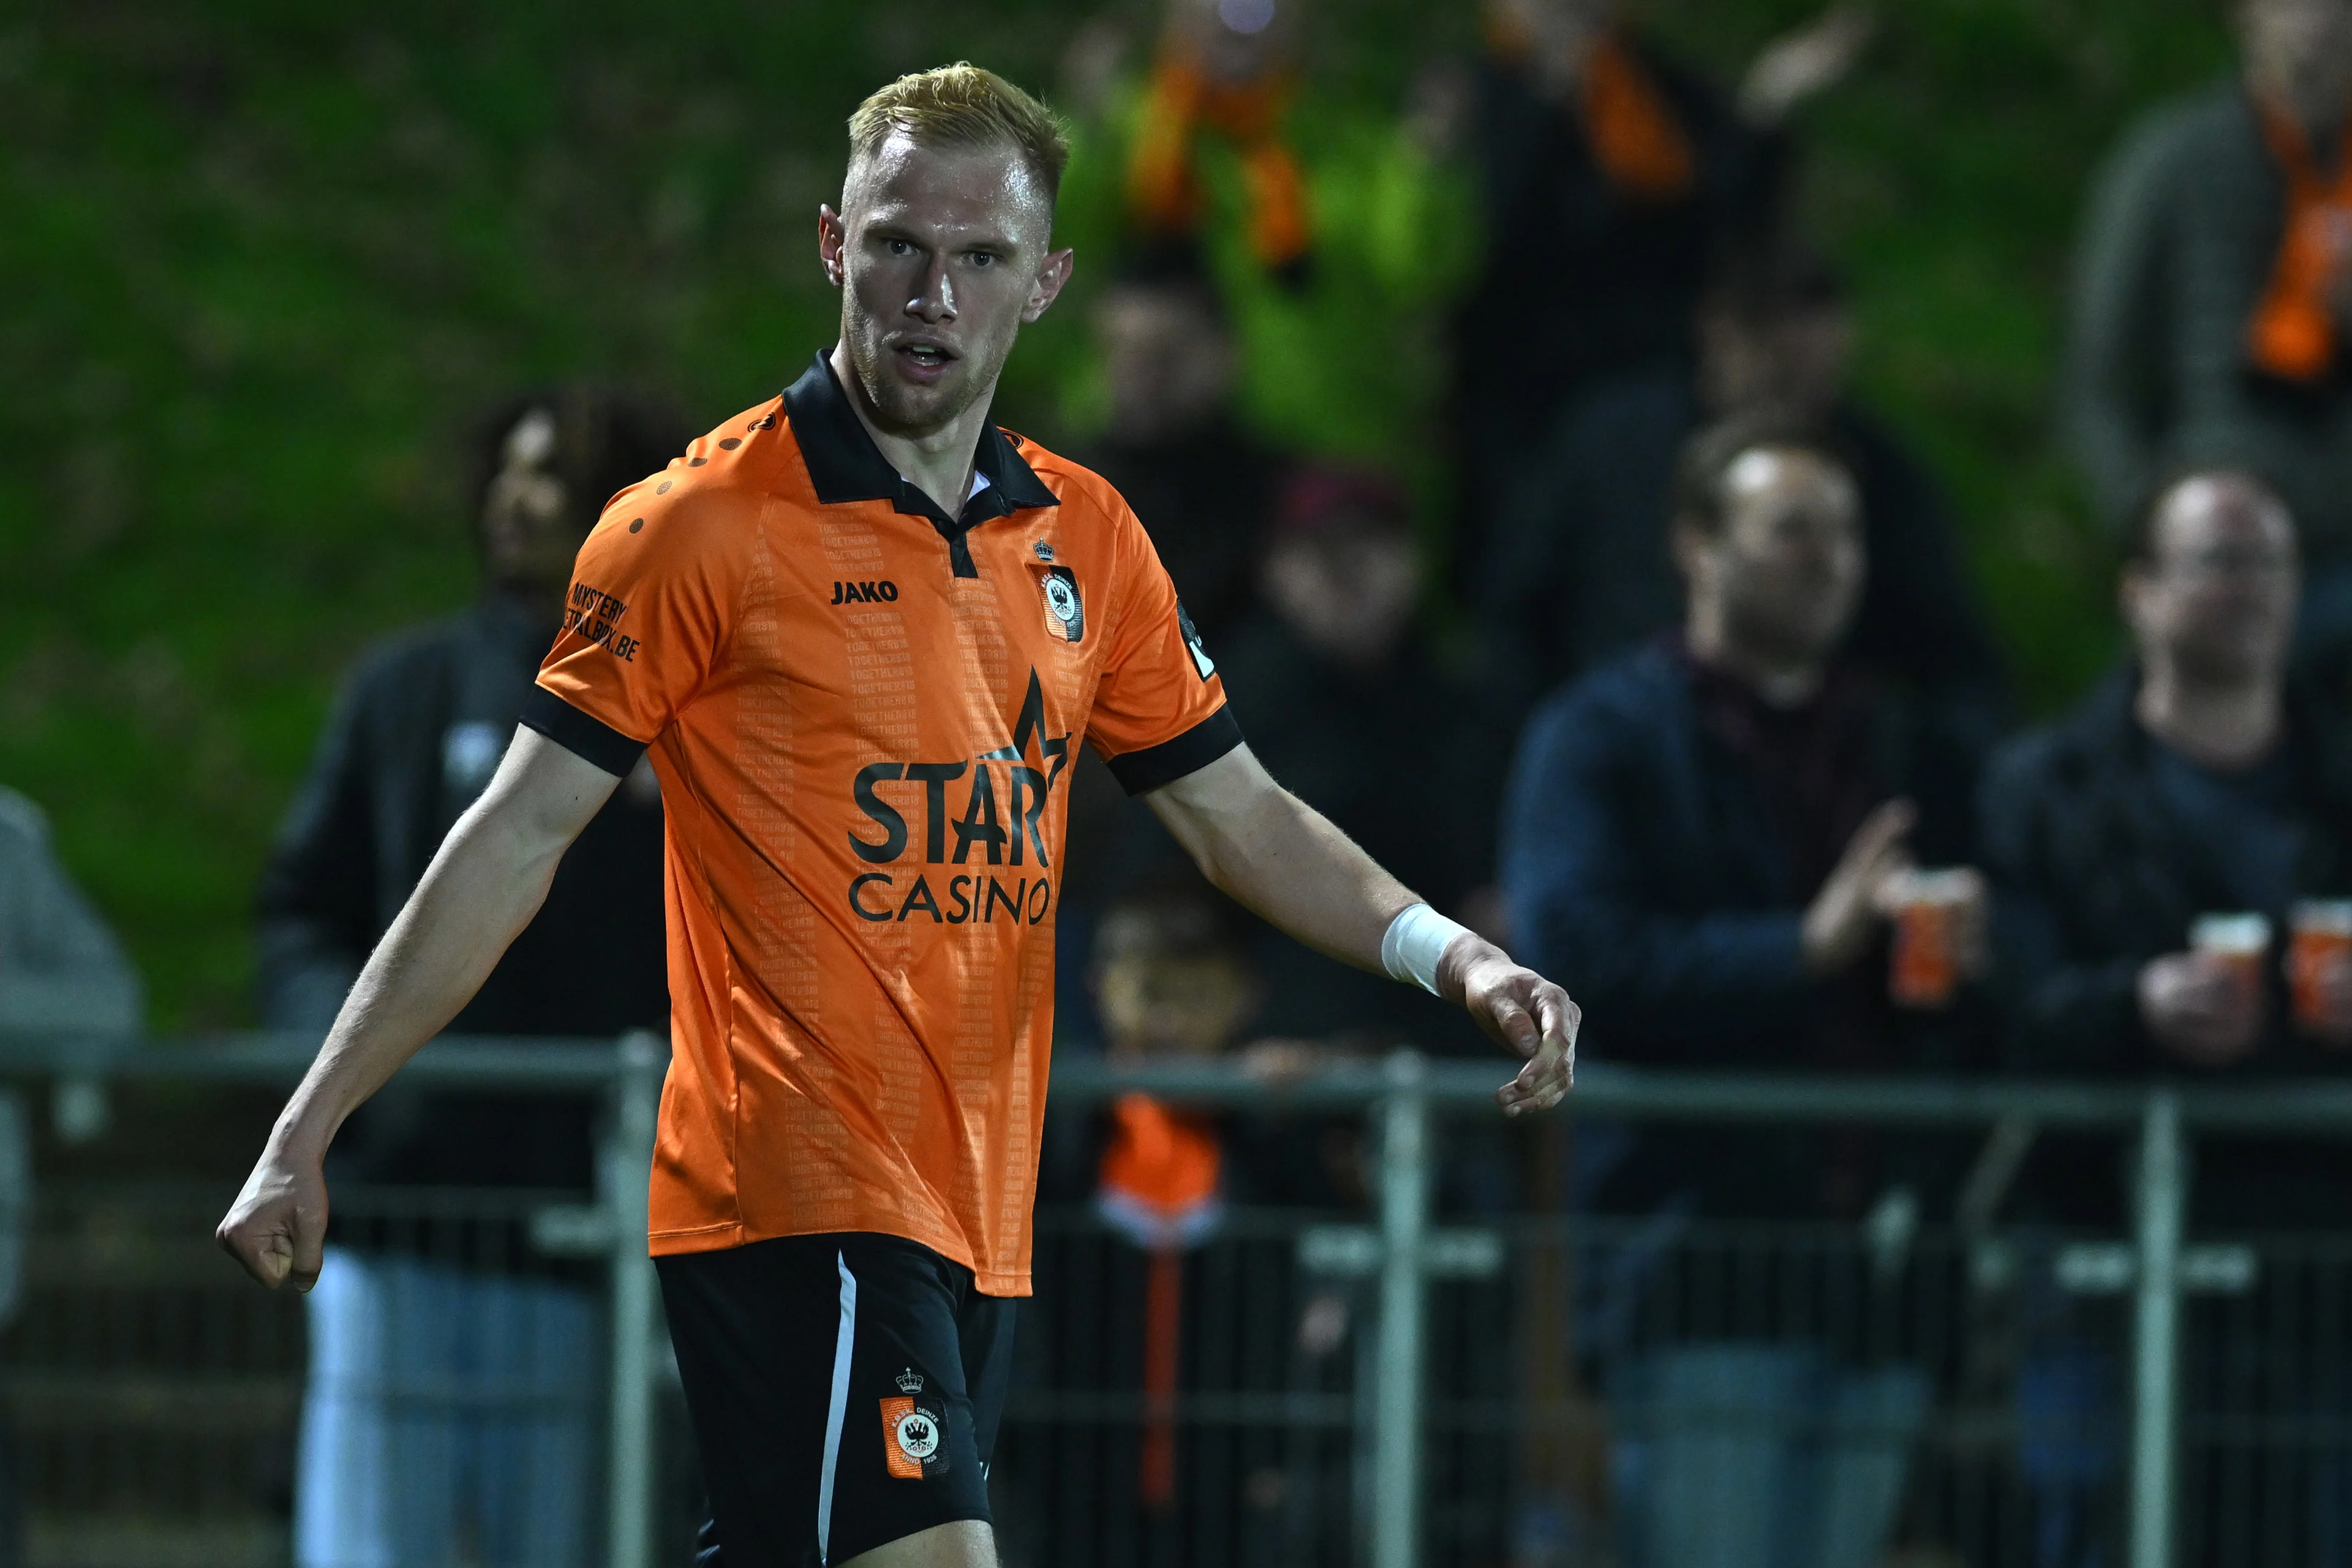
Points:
(938, 463)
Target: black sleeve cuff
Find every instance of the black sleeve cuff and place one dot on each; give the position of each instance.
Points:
(1141, 772)
(590, 739)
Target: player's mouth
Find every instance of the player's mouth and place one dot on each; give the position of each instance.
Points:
(924, 363)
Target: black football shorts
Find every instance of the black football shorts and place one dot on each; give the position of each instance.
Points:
(845, 1389)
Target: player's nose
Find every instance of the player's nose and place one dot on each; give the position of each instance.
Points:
(934, 298)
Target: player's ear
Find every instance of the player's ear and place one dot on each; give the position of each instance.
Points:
(1052, 277)
(831, 241)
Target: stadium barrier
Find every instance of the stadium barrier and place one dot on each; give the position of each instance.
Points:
(1399, 1410)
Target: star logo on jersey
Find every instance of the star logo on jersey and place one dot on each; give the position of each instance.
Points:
(1001, 823)
(1052, 753)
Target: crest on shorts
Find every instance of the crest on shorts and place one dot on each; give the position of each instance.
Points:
(912, 1438)
(1066, 609)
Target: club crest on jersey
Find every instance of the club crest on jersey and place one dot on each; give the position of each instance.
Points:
(1064, 605)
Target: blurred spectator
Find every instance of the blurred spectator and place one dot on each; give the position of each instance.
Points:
(1612, 177)
(2194, 783)
(1224, 69)
(1579, 567)
(1707, 836)
(395, 1466)
(1172, 982)
(61, 972)
(61, 967)
(1347, 703)
(2212, 285)
(1203, 486)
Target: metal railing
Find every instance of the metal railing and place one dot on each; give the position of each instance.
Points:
(1403, 1253)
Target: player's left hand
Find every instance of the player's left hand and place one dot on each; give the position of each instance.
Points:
(1524, 1011)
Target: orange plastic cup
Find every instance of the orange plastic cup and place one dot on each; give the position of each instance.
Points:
(2239, 940)
(1924, 971)
(2321, 936)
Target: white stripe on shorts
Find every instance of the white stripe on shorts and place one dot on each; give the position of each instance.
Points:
(837, 1410)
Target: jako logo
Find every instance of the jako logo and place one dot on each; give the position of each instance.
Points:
(864, 592)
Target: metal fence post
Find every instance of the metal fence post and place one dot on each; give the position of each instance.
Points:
(624, 1168)
(2163, 1195)
(1404, 1224)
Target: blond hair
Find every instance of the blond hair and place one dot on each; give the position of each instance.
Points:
(963, 106)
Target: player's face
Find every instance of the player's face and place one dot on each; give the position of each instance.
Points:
(941, 254)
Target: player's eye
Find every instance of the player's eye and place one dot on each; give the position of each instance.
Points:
(898, 247)
(983, 257)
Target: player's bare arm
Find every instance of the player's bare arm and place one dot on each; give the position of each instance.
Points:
(1274, 853)
(485, 885)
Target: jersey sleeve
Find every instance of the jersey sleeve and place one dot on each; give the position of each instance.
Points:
(644, 622)
(1160, 710)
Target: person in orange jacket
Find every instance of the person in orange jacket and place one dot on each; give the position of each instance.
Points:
(1225, 68)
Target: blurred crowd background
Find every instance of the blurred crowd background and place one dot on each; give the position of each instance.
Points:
(267, 265)
(1825, 529)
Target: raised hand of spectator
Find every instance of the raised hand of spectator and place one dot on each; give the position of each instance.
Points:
(2201, 1009)
(1799, 64)
(2330, 1022)
(1845, 914)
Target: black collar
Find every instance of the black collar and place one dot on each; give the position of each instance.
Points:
(846, 466)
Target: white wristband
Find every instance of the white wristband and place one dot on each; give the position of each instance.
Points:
(1415, 941)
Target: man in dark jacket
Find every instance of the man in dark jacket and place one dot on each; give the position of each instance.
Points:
(414, 737)
(1709, 834)
(2196, 782)
(1579, 568)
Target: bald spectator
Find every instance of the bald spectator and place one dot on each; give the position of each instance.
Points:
(2195, 782)
(2213, 284)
